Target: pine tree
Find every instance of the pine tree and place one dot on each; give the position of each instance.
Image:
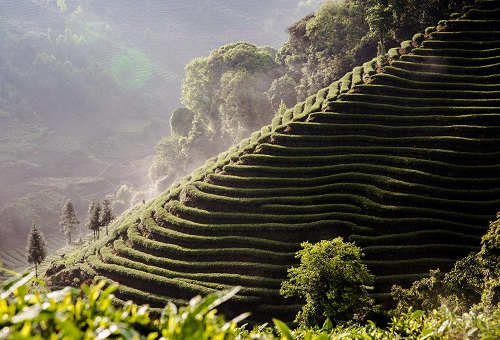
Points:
(106, 214)
(68, 220)
(36, 248)
(93, 222)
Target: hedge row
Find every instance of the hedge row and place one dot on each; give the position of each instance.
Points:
(427, 93)
(471, 25)
(413, 266)
(259, 269)
(461, 45)
(483, 53)
(409, 252)
(475, 70)
(447, 156)
(200, 216)
(472, 173)
(369, 129)
(337, 183)
(403, 120)
(384, 283)
(416, 237)
(147, 282)
(369, 108)
(414, 206)
(400, 80)
(428, 76)
(418, 177)
(156, 302)
(446, 60)
(333, 91)
(230, 279)
(465, 36)
(346, 82)
(310, 165)
(181, 253)
(483, 14)
(276, 231)
(311, 209)
(182, 289)
(204, 241)
(404, 101)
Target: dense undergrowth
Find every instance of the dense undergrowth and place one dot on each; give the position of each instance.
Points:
(27, 312)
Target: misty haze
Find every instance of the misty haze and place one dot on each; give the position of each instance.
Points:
(86, 93)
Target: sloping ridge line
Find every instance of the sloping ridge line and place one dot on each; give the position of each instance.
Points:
(403, 160)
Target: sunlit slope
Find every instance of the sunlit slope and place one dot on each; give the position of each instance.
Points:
(405, 163)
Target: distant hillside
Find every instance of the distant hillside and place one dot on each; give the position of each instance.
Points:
(400, 158)
(86, 89)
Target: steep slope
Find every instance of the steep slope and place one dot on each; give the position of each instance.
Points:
(404, 162)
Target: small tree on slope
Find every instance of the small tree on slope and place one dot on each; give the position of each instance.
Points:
(93, 218)
(106, 214)
(68, 220)
(36, 248)
(333, 281)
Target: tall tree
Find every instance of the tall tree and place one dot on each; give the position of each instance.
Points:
(68, 220)
(106, 214)
(36, 248)
(93, 218)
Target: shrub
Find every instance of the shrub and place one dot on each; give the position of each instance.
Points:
(69, 314)
(333, 281)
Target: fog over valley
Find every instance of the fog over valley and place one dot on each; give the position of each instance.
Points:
(86, 92)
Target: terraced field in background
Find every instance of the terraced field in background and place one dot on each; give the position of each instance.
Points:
(405, 163)
(146, 46)
(14, 257)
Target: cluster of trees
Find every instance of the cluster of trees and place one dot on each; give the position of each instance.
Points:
(239, 87)
(322, 47)
(98, 217)
(226, 98)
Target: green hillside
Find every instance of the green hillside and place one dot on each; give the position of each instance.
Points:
(402, 159)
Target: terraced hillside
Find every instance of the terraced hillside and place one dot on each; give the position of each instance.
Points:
(404, 162)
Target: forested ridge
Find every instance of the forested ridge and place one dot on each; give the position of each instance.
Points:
(397, 154)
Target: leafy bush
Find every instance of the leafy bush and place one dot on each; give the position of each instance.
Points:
(89, 313)
(333, 281)
(472, 282)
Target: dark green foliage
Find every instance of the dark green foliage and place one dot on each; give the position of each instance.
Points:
(283, 90)
(333, 281)
(226, 98)
(36, 247)
(93, 218)
(181, 121)
(68, 220)
(473, 280)
(322, 47)
(90, 313)
(97, 312)
(106, 215)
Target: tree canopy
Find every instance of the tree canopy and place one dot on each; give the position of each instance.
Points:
(332, 279)
(36, 248)
(68, 220)
(93, 218)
